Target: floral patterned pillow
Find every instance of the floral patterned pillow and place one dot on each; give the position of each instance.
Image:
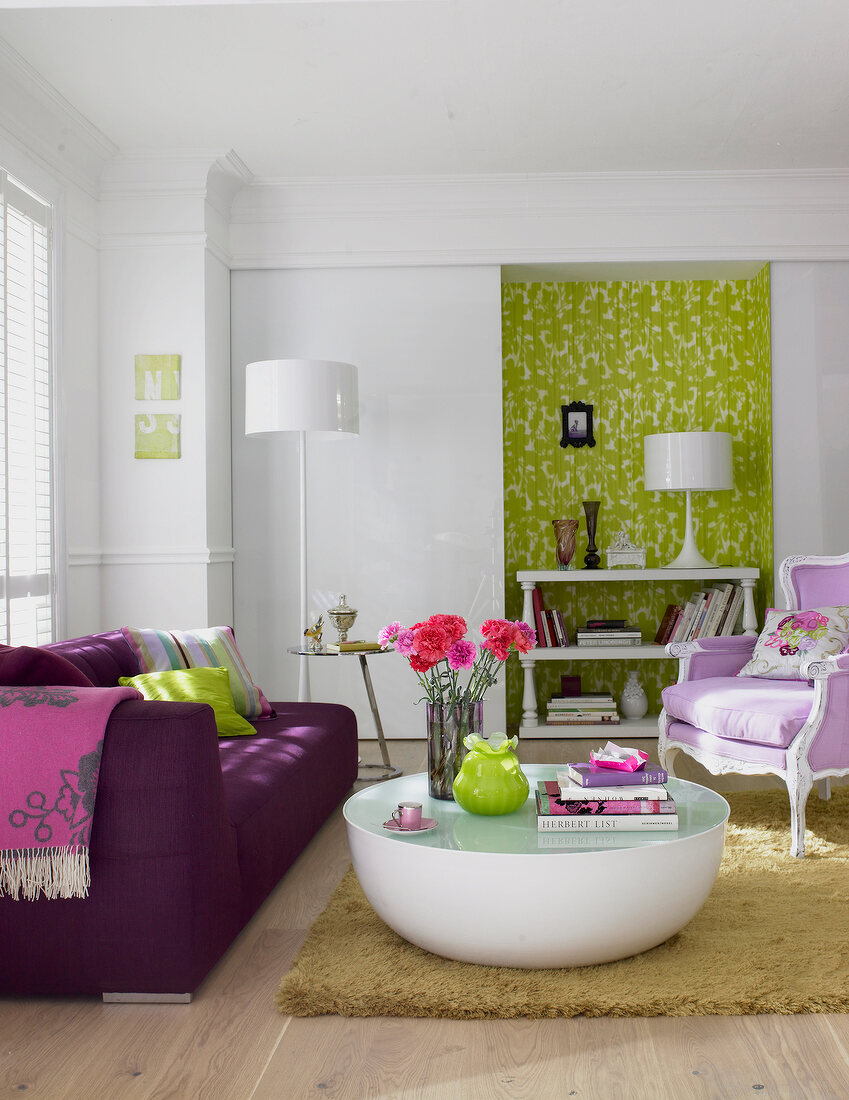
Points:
(790, 638)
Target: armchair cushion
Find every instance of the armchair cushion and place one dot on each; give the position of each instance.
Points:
(742, 708)
(791, 637)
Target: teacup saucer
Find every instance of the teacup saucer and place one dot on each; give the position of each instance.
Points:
(428, 823)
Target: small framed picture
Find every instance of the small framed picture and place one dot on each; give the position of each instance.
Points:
(577, 425)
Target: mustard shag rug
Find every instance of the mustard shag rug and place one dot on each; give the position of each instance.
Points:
(773, 937)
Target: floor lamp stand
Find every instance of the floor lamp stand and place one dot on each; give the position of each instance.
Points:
(304, 671)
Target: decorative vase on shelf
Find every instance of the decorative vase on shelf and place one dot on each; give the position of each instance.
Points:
(447, 729)
(591, 558)
(633, 702)
(565, 531)
(490, 780)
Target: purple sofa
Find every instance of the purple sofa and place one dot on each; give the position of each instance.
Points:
(190, 834)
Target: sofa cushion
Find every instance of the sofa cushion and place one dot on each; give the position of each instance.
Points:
(23, 664)
(195, 685)
(766, 712)
(100, 657)
(208, 647)
(790, 638)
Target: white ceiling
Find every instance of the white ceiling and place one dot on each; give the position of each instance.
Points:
(422, 87)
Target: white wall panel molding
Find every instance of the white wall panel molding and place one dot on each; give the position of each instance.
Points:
(508, 219)
(84, 558)
(179, 556)
(47, 127)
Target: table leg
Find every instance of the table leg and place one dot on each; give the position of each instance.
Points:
(386, 766)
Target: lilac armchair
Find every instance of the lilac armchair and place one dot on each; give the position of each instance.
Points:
(795, 729)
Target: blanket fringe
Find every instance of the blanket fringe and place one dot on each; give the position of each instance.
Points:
(53, 872)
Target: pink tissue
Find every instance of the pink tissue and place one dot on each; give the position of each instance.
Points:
(618, 759)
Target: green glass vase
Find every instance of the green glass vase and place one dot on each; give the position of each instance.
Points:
(490, 780)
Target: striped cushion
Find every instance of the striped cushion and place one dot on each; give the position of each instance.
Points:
(156, 650)
(210, 647)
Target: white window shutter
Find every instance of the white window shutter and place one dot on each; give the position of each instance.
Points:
(26, 433)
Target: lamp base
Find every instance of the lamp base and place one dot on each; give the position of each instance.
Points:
(690, 556)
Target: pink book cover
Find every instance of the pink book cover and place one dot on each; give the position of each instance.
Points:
(588, 807)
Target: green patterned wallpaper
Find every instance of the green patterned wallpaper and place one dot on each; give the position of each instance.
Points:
(650, 357)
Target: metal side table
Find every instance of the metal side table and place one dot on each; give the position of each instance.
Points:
(387, 770)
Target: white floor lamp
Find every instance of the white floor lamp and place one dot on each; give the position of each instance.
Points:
(301, 395)
(683, 462)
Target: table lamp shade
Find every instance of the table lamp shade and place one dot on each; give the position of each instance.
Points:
(688, 460)
(301, 395)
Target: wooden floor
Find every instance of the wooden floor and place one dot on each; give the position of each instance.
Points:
(232, 1044)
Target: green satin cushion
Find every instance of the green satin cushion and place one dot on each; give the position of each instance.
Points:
(195, 685)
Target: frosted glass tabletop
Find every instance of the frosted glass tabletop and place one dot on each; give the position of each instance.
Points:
(699, 810)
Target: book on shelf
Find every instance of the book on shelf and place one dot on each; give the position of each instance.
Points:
(735, 606)
(556, 789)
(587, 776)
(557, 628)
(588, 718)
(546, 804)
(591, 712)
(716, 608)
(630, 632)
(686, 619)
(353, 647)
(581, 704)
(710, 613)
(539, 618)
(623, 823)
(664, 630)
(606, 624)
(583, 699)
(599, 642)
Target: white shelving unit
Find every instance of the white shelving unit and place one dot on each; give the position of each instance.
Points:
(642, 727)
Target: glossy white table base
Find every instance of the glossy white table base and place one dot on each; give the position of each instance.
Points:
(547, 900)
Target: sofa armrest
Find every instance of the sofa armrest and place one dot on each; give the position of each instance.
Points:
(705, 657)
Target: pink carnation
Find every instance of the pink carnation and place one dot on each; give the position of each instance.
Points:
(404, 643)
(461, 655)
(525, 638)
(388, 635)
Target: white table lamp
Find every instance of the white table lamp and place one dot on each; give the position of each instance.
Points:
(301, 395)
(684, 462)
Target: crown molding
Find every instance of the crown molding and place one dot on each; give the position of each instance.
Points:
(156, 198)
(538, 219)
(52, 131)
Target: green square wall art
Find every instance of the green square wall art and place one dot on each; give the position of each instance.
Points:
(158, 435)
(157, 377)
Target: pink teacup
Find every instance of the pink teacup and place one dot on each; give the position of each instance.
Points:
(408, 815)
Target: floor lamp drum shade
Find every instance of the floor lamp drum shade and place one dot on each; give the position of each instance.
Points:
(301, 395)
(687, 462)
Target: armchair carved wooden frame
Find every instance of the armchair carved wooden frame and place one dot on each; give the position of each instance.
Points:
(809, 740)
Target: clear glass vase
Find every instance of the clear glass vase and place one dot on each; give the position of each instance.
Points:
(447, 727)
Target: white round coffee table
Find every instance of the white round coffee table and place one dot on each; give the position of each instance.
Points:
(494, 890)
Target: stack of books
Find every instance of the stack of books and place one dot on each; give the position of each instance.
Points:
(604, 632)
(584, 798)
(549, 625)
(711, 613)
(592, 709)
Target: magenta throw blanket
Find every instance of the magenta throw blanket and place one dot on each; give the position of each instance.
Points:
(51, 739)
